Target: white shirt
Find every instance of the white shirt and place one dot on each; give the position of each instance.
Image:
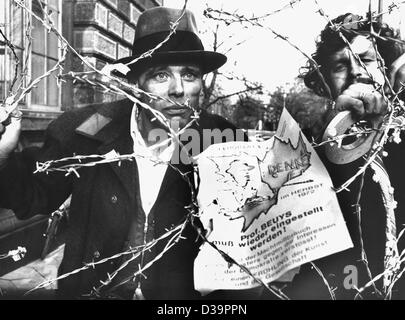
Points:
(151, 170)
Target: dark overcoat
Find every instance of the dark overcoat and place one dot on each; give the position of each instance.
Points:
(105, 201)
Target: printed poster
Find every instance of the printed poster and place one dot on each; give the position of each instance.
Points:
(269, 205)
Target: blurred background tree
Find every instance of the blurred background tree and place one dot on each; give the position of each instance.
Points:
(306, 107)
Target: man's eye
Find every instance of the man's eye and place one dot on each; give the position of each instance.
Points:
(189, 76)
(368, 60)
(160, 76)
(339, 67)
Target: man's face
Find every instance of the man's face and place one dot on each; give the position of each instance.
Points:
(343, 69)
(179, 83)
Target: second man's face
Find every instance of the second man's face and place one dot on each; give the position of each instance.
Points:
(343, 69)
(180, 84)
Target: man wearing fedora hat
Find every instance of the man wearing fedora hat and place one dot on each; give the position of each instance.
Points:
(114, 206)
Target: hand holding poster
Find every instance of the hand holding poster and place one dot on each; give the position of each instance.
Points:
(269, 205)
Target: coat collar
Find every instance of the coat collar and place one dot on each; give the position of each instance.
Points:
(109, 125)
(116, 136)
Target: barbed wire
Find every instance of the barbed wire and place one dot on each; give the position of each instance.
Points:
(17, 60)
(16, 254)
(237, 18)
(135, 252)
(391, 7)
(172, 31)
(391, 250)
(325, 281)
(110, 83)
(290, 5)
(394, 108)
(52, 165)
(396, 272)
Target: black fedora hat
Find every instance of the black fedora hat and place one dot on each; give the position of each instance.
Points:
(183, 46)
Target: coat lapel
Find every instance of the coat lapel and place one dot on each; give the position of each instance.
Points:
(125, 170)
(115, 137)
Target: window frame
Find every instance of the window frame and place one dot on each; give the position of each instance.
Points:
(27, 57)
(45, 107)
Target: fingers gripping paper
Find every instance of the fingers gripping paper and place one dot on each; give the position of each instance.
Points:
(269, 205)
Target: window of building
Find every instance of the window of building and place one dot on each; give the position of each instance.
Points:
(37, 51)
(113, 2)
